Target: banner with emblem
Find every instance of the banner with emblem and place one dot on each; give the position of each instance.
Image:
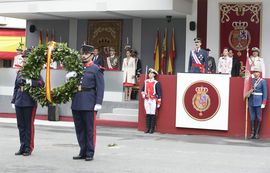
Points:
(240, 26)
(202, 101)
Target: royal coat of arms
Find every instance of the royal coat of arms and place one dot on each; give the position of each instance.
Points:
(201, 100)
(239, 37)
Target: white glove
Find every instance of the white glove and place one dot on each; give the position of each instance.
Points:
(263, 106)
(143, 95)
(13, 106)
(97, 107)
(28, 81)
(158, 106)
(71, 74)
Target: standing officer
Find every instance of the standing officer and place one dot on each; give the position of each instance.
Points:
(198, 58)
(257, 101)
(25, 108)
(151, 93)
(211, 63)
(86, 102)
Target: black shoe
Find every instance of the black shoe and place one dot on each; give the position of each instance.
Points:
(151, 131)
(78, 157)
(19, 153)
(257, 136)
(88, 158)
(146, 131)
(27, 153)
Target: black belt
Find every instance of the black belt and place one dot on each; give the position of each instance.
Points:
(88, 89)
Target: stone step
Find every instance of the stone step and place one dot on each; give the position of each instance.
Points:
(118, 117)
(125, 111)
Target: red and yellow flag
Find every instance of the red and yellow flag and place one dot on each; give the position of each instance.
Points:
(51, 46)
(164, 53)
(172, 55)
(156, 53)
(248, 78)
(47, 37)
(10, 40)
(40, 37)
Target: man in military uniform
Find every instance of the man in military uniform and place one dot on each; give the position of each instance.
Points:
(211, 63)
(151, 93)
(257, 101)
(25, 108)
(86, 102)
(112, 60)
(198, 59)
(18, 58)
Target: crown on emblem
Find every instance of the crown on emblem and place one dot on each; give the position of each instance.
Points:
(201, 90)
(240, 25)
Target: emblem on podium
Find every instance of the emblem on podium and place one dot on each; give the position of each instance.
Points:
(201, 100)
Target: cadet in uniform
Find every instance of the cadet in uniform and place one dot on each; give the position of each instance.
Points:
(86, 102)
(151, 93)
(198, 59)
(25, 108)
(257, 101)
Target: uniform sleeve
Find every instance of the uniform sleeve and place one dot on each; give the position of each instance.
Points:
(158, 93)
(264, 90)
(205, 62)
(16, 87)
(143, 88)
(38, 83)
(190, 62)
(99, 87)
(214, 65)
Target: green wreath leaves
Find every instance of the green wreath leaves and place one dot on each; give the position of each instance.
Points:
(71, 61)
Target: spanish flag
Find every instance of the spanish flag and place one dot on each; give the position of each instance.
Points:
(156, 53)
(248, 79)
(10, 40)
(164, 53)
(172, 55)
(40, 37)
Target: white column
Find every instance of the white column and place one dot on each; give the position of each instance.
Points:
(73, 29)
(137, 34)
(190, 35)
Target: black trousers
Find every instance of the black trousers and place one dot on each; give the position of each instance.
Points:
(85, 127)
(25, 123)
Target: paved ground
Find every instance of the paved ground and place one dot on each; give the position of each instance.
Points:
(134, 152)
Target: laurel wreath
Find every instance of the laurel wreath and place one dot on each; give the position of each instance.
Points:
(71, 61)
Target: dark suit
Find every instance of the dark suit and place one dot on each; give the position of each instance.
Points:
(98, 60)
(211, 65)
(202, 65)
(25, 107)
(83, 102)
(235, 67)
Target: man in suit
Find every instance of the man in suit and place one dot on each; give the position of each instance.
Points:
(257, 101)
(86, 102)
(97, 59)
(235, 65)
(198, 59)
(25, 107)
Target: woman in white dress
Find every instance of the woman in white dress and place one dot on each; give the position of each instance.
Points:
(129, 68)
(225, 62)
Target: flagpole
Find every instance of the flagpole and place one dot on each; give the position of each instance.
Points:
(246, 121)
